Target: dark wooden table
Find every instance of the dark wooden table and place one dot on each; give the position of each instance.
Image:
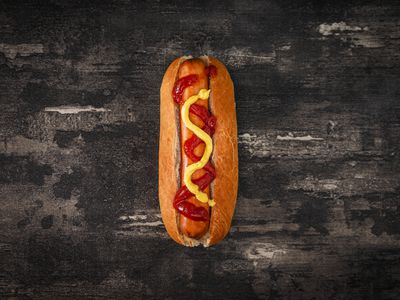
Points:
(317, 91)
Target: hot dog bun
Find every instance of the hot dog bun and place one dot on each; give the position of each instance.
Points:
(224, 157)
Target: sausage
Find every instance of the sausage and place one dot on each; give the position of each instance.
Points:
(193, 229)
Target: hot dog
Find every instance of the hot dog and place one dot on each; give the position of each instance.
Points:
(198, 159)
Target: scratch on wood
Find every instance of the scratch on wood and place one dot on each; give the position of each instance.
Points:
(257, 145)
(355, 35)
(243, 56)
(290, 137)
(263, 251)
(149, 220)
(334, 28)
(367, 41)
(135, 217)
(285, 48)
(11, 51)
(330, 186)
(144, 224)
(311, 183)
(74, 109)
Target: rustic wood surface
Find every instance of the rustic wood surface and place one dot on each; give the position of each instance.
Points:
(317, 87)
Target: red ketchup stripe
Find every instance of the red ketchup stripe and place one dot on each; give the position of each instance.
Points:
(188, 209)
(180, 86)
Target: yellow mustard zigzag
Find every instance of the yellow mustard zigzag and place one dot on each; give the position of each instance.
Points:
(193, 188)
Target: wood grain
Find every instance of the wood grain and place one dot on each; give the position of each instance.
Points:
(317, 92)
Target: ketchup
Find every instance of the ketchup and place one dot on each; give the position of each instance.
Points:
(188, 209)
(180, 86)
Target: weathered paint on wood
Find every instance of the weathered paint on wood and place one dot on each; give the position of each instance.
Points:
(317, 86)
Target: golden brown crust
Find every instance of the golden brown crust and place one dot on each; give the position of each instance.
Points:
(167, 152)
(225, 155)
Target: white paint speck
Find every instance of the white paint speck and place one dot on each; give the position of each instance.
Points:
(334, 28)
(285, 48)
(141, 220)
(141, 224)
(74, 109)
(146, 224)
(134, 217)
(330, 186)
(353, 163)
(291, 137)
(257, 145)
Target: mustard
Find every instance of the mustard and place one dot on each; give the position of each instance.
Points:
(201, 134)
